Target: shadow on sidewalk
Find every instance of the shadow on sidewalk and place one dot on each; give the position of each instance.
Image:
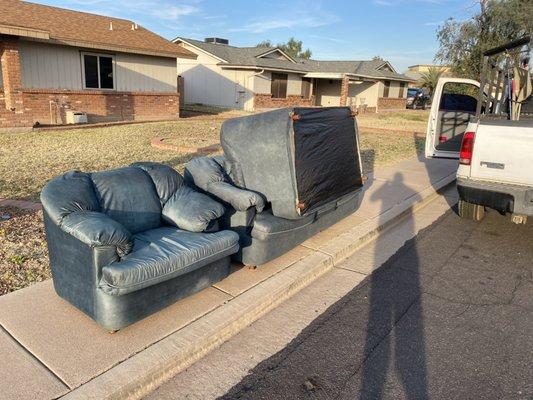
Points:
(352, 350)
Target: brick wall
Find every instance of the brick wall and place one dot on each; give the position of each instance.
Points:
(265, 100)
(11, 119)
(11, 75)
(101, 106)
(391, 103)
(345, 88)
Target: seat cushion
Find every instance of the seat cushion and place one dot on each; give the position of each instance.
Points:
(165, 253)
(128, 196)
(267, 225)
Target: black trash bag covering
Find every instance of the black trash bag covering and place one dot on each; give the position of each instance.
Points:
(325, 156)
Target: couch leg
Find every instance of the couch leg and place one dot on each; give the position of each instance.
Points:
(111, 332)
(252, 266)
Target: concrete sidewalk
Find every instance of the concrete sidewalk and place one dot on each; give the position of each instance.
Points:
(53, 350)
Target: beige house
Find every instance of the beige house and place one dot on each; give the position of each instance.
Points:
(415, 72)
(254, 78)
(54, 62)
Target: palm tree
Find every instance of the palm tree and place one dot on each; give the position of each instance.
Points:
(430, 78)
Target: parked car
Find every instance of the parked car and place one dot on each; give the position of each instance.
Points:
(417, 98)
(489, 128)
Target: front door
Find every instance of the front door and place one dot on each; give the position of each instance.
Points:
(454, 106)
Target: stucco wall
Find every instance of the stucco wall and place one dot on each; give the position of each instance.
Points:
(262, 84)
(46, 66)
(394, 89)
(206, 83)
(328, 92)
(363, 93)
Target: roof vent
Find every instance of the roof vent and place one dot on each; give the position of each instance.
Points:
(216, 40)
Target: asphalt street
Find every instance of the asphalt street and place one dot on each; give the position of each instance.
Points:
(448, 317)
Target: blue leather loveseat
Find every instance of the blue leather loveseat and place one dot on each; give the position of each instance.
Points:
(125, 243)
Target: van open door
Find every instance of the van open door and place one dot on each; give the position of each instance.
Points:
(454, 106)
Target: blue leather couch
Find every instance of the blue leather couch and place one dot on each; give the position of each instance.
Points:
(285, 175)
(127, 242)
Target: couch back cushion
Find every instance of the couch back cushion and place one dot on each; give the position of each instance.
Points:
(128, 196)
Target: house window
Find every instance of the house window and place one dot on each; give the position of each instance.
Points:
(279, 86)
(306, 88)
(402, 90)
(98, 71)
(386, 88)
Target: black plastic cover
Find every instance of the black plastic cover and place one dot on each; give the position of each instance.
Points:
(325, 156)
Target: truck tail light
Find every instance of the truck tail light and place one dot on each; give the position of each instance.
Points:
(467, 148)
(442, 139)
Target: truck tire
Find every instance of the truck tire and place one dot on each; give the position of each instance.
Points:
(471, 211)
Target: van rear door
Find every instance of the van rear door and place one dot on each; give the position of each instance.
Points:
(453, 107)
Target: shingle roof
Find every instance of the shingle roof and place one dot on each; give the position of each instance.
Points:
(80, 29)
(366, 68)
(247, 56)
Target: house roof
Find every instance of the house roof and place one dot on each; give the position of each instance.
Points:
(245, 56)
(80, 29)
(232, 56)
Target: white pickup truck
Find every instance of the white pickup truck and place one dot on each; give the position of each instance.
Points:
(488, 126)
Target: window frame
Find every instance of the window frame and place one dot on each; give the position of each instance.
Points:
(272, 83)
(386, 88)
(307, 88)
(401, 91)
(98, 55)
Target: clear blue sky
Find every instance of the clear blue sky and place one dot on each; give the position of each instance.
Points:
(401, 31)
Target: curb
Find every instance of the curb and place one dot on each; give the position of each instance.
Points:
(143, 372)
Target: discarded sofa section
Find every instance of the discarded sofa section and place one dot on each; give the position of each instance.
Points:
(285, 175)
(125, 243)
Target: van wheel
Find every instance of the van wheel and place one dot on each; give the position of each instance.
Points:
(467, 210)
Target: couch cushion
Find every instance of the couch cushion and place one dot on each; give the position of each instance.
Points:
(165, 253)
(191, 210)
(166, 179)
(267, 225)
(128, 196)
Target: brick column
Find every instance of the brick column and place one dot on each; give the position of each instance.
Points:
(11, 74)
(344, 90)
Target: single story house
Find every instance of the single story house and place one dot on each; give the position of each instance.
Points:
(55, 60)
(252, 78)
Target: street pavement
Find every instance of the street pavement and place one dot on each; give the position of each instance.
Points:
(448, 316)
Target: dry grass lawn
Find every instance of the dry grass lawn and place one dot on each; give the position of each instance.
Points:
(28, 160)
(408, 120)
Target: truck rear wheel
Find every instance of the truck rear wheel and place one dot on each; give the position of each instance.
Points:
(467, 210)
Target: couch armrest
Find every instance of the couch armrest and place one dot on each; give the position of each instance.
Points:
(97, 229)
(239, 199)
(209, 176)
